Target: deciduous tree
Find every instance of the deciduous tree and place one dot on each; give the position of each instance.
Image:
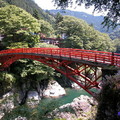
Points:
(46, 28)
(18, 26)
(112, 6)
(81, 35)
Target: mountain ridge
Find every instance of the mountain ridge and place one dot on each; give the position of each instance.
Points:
(95, 21)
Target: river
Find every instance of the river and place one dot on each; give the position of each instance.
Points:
(71, 94)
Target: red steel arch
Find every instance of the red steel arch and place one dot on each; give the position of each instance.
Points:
(76, 64)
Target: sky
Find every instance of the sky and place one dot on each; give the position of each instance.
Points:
(48, 5)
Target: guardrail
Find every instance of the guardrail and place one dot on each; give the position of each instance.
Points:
(89, 55)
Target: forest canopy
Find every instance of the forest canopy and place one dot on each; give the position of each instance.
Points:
(83, 36)
(112, 6)
(16, 25)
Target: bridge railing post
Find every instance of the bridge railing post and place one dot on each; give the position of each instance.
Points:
(81, 56)
(60, 52)
(70, 54)
(51, 52)
(112, 58)
(95, 57)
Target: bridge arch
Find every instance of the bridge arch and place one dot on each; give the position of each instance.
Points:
(63, 61)
(56, 64)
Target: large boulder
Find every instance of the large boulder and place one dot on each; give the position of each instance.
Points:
(20, 118)
(33, 95)
(75, 86)
(83, 107)
(33, 98)
(53, 90)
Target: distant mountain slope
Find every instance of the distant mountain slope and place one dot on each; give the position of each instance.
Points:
(90, 19)
(31, 7)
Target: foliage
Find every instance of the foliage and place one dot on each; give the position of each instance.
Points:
(117, 44)
(19, 29)
(80, 35)
(115, 34)
(17, 45)
(2, 3)
(31, 7)
(46, 28)
(6, 81)
(58, 19)
(41, 112)
(42, 45)
(65, 119)
(36, 14)
(112, 6)
(32, 71)
(17, 25)
(94, 21)
(109, 99)
(26, 74)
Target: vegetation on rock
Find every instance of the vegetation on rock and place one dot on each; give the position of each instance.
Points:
(109, 99)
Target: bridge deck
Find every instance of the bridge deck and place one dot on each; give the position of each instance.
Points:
(57, 58)
(97, 58)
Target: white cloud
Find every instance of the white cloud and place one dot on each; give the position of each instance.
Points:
(48, 5)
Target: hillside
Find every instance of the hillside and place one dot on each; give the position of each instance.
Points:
(90, 19)
(31, 7)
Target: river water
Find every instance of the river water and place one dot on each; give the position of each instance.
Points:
(71, 94)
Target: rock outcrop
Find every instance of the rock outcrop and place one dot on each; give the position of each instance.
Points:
(75, 86)
(33, 98)
(7, 104)
(83, 107)
(54, 90)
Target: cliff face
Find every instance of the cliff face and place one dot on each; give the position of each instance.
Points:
(109, 99)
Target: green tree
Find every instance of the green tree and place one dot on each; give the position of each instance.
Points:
(115, 34)
(18, 26)
(81, 35)
(31, 7)
(6, 82)
(36, 14)
(117, 44)
(112, 6)
(2, 3)
(25, 75)
(46, 28)
(58, 18)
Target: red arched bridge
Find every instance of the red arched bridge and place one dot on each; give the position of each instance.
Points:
(80, 66)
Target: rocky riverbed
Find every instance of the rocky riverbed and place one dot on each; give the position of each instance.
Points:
(81, 107)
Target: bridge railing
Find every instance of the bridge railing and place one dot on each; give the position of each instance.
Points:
(88, 55)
